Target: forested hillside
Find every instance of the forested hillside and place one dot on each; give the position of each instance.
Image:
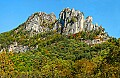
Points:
(70, 47)
(60, 56)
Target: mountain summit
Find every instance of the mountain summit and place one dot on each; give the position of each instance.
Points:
(70, 22)
(68, 47)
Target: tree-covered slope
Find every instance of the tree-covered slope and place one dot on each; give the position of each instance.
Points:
(44, 47)
(64, 58)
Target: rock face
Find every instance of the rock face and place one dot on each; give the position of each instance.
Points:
(17, 48)
(88, 23)
(40, 22)
(70, 22)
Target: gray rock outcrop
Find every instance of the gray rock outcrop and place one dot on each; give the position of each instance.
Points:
(40, 22)
(70, 21)
(17, 48)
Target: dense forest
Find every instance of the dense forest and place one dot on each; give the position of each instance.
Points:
(59, 56)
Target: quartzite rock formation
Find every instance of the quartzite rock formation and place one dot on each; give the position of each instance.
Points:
(40, 22)
(70, 22)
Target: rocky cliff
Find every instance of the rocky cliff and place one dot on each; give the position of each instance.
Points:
(70, 21)
(40, 22)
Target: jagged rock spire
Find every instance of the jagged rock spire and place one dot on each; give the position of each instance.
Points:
(70, 21)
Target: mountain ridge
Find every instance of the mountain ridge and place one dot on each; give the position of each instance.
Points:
(46, 47)
(74, 18)
(70, 22)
